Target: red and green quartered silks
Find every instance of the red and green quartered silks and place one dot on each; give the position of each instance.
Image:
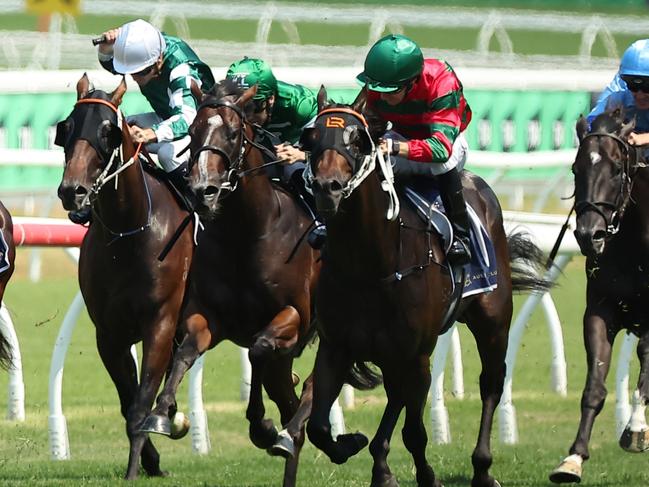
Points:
(431, 116)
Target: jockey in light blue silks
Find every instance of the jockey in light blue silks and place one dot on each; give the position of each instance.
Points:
(629, 89)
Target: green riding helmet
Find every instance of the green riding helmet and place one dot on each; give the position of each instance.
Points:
(249, 72)
(390, 63)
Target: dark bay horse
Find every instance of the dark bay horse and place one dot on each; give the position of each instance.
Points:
(7, 257)
(130, 295)
(383, 292)
(253, 273)
(612, 205)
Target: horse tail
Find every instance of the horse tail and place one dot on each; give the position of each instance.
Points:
(363, 378)
(527, 264)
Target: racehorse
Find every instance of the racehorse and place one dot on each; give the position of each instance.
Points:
(384, 290)
(612, 207)
(130, 294)
(7, 257)
(253, 273)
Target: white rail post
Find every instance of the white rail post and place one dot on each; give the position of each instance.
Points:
(58, 430)
(622, 406)
(16, 386)
(197, 416)
(506, 410)
(458, 371)
(441, 431)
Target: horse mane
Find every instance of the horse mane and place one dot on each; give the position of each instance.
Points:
(228, 88)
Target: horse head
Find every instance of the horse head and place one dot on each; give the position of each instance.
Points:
(89, 136)
(341, 148)
(603, 169)
(219, 135)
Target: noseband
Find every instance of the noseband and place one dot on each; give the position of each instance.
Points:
(630, 163)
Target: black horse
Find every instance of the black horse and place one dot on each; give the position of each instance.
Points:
(7, 256)
(384, 291)
(131, 295)
(612, 205)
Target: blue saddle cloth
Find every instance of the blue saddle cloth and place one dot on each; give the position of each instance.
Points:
(481, 273)
(4, 251)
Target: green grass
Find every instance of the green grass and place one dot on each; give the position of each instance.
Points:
(547, 423)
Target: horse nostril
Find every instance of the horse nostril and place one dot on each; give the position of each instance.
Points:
(598, 235)
(210, 192)
(335, 186)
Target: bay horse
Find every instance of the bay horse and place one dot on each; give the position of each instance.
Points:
(384, 289)
(253, 274)
(7, 258)
(612, 207)
(131, 295)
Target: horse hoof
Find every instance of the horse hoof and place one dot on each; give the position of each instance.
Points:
(349, 445)
(179, 426)
(263, 435)
(391, 481)
(567, 472)
(295, 378)
(284, 446)
(156, 424)
(635, 441)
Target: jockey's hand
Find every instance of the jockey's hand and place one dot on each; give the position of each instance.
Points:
(638, 139)
(289, 153)
(106, 47)
(397, 148)
(142, 135)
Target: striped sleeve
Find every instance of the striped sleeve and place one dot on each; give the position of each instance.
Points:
(444, 120)
(181, 103)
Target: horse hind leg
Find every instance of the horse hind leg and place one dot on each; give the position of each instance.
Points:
(635, 437)
(285, 445)
(491, 336)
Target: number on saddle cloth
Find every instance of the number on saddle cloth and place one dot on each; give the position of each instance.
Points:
(481, 273)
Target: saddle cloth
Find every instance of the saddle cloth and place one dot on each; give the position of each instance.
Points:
(4, 251)
(481, 273)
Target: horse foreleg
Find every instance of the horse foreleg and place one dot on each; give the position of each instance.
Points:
(280, 334)
(123, 372)
(279, 386)
(635, 437)
(294, 429)
(491, 337)
(195, 343)
(329, 374)
(599, 343)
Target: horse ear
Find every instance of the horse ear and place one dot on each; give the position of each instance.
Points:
(627, 128)
(83, 86)
(197, 92)
(360, 101)
(322, 98)
(117, 95)
(247, 96)
(581, 127)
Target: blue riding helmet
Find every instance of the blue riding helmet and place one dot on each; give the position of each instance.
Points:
(635, 60)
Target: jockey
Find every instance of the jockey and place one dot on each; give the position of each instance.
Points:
(164, 67)
(283, 110)
(423, 100)
(630, 90)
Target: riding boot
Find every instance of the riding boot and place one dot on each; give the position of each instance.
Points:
(455, 206)
(318, 235)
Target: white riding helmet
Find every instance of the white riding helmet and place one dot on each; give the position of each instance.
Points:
(138, 46)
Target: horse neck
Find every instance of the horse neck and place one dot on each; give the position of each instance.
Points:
(255, 200)
(360, 237)
(124, 202)
(636, 216)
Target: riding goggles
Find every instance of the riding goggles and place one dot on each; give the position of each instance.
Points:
(635, 83)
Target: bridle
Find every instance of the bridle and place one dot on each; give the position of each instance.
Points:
(115, 160)
(629, 165)
(235, 169)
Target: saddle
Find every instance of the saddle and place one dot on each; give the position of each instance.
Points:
(481, 273)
